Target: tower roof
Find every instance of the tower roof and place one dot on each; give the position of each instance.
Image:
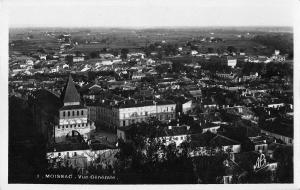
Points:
(71, 94)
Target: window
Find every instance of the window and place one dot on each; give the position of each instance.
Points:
(62, 127)
(124, 123)
(77, 112)
(58, 127)
(226, 179)
(67, 126)
(68, 113)
(64, 113)
(81, 112)
(73, 113)
(59, 154)
(146, 113)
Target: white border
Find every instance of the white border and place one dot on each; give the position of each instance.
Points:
(4, 119)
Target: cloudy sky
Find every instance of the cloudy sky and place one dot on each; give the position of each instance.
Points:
(149, 13)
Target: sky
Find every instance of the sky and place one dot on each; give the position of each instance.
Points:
(148, 13)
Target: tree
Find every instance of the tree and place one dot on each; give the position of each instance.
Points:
(124, 52)
(284, 155)
(210, 50)
(231, 49)
(77, 53)
(94, 54)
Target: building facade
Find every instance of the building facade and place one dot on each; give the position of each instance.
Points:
(122, 114)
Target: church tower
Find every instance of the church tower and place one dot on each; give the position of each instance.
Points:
(73, 118)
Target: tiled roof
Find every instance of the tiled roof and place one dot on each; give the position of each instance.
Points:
(71, 94)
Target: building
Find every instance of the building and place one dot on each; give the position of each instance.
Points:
(187, 106)
(72, 116)
(168, 135)
(82, 158)
(211, 127)
(277, 57)
(286, 139)
(138, 76)
(208, 144)
(78, 59)
(115, 114)
(231, 62)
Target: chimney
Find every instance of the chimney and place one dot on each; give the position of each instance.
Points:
(170, 127)
(188, 128)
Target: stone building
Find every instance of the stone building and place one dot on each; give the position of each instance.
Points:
(73, 118)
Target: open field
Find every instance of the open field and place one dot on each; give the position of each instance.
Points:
(95, 39)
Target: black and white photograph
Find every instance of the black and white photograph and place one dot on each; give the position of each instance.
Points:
(140, 92)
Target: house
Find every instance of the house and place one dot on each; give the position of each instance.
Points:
(81, 157)
(277, 57)
(260, 143)
(211, 127)
(231, 61)
(286, 139)
(77, 59)
(226, 75)
(194, 52)
(138, 76)
(208, 144)
(171, 134)
(195, 92)
(43, 57)
(187, 106)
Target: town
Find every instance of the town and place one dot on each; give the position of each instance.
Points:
(151, 106)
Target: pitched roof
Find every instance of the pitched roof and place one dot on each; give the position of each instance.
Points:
(220, 140)
(71, 94)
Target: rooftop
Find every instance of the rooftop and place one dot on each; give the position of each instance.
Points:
(70, 92)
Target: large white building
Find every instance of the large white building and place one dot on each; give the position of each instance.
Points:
(115, 114)
(73, 118)
(231, 62)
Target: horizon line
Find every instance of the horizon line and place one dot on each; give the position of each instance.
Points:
(158, 27)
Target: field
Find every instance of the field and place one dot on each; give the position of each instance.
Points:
(95, 39)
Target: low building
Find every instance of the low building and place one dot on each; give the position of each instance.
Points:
(78, 59)
(171, 134)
